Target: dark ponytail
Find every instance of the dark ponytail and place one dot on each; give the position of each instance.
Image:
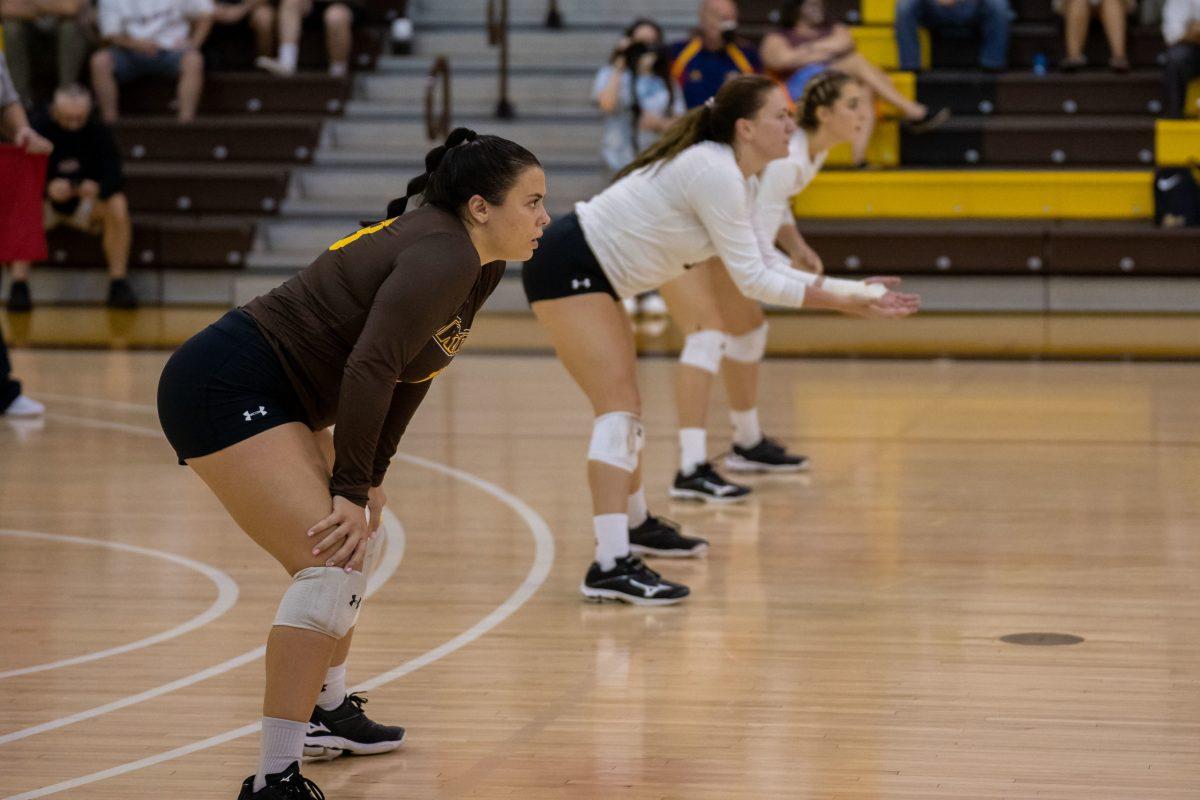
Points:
(740, 98)
(821, 92)
(466, 165)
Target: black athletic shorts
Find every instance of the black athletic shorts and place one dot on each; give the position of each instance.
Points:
(224, 385)
(563, 264)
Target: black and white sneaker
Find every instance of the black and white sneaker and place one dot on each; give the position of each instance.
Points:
(286, 785)
(631, 581)
(346, 729)
(766, 456)
(707, 485)
(658, 536)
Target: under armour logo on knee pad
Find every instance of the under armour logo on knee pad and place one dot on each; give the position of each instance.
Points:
(262, 412)
(577, 284)
(355, 601)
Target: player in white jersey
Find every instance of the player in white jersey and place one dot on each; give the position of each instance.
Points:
(726, 331)
(681, 202)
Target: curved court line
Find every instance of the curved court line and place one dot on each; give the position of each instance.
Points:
(392, 555)
(538, 572)
(227, 595)
(97, 402)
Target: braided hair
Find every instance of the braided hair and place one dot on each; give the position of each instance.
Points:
(465, 165)
(821, 92)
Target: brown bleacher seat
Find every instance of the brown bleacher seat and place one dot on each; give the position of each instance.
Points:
(160, 240)
(959, 48)
(1025, 93)
(1033, 141)
(239, 92)
(205, 189)
(220, 138)
(1129, 248)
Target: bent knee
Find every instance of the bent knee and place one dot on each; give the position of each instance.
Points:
(102, 60)
(338, 15)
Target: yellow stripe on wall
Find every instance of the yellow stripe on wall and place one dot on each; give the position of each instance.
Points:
(883, 151)
(1176, 142)
(954, 194)
(878, 12)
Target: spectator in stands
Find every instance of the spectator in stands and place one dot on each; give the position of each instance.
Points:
(713, 55)
(636, 94)
(338, 18)
(83, 189)
(15, 128)
(35, 25)
(1181, 30)
(809, 44)
(990, 16)
(1077, 14)
(258, 14)
(145, 38)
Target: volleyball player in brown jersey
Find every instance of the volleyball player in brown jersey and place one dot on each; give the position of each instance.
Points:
(354, 339)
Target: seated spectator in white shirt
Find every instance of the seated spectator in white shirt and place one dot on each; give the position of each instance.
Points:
(1181, 30)
(151, 38)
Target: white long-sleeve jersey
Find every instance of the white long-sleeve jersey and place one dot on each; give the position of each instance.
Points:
(647, 227)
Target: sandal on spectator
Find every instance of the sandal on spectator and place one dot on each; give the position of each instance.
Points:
(1072, 64)
(1119, 65)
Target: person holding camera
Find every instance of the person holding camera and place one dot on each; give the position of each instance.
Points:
(713, 55)
(635, 94)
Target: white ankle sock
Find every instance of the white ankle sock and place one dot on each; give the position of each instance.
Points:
(693, 449)
(746, 432)
(338, 69)
(638, 513)
(612, 539)
(289, 56)
(333, 691)
(282, 743)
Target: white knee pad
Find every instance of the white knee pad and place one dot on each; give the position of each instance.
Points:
(323, 599)
(617, 438)
(749, 348)
(704, 350)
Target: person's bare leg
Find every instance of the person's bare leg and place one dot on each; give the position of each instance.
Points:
(262, 22)
(593, 339)
(692, 304)
(324, 440)
(1076, 14)
(117, 234)
(19, 270)
(275, 486)
(104, 84)
(338, 38)
(1112, 17)
(878, 81)
(191, 84)
(742, 316)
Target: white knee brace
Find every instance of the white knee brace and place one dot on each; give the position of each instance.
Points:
(748, 348)
(617, 438)
(704, 350)
(323, 599)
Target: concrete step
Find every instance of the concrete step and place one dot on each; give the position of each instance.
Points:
(369, 188)
(575, 13)
(476, 94)
(527, 47)
(395, 140)
(581, 110)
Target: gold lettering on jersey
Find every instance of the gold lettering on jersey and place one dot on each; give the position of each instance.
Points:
(451, 337)
(354, 237)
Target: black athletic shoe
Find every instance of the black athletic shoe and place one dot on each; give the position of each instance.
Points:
(18, 297)
(766, 456)
(631, 581)
(347, 729)
(930, 122)
(705, 484)
(658, 536)
(120, 295)
(286, 785)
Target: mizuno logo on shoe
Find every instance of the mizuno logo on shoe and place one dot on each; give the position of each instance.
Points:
(648, 591)
(318, 727)
(285, 780)
(717, 488)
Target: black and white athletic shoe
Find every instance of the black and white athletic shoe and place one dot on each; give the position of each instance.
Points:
(631, 581)
(658, 536)
(766, 456)
(707, 485)
(286, 785)
(347, 729)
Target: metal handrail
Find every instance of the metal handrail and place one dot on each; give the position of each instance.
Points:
(497, 30)
(437, 126)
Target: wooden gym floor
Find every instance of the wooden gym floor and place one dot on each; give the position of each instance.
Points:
(843, 640)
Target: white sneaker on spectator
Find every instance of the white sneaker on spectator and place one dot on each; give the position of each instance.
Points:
(630, 304)
(274, 66)
(651, 304)
(25, 406)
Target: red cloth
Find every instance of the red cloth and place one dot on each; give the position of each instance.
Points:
(22, 181)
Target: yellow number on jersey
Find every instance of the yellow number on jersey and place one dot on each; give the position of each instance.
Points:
(378, 226)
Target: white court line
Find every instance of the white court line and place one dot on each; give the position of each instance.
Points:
(96, 402)
(392, 555)
(538, 572)
(227, 595)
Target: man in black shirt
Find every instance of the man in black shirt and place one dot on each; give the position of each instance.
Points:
(83, 185)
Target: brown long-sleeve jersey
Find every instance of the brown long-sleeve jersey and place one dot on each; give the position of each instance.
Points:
(363, 329)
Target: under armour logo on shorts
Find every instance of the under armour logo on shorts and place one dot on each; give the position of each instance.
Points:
(355, 601)
(249, 415)
(577, 284)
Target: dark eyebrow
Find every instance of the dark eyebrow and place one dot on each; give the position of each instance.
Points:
(537, 196)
